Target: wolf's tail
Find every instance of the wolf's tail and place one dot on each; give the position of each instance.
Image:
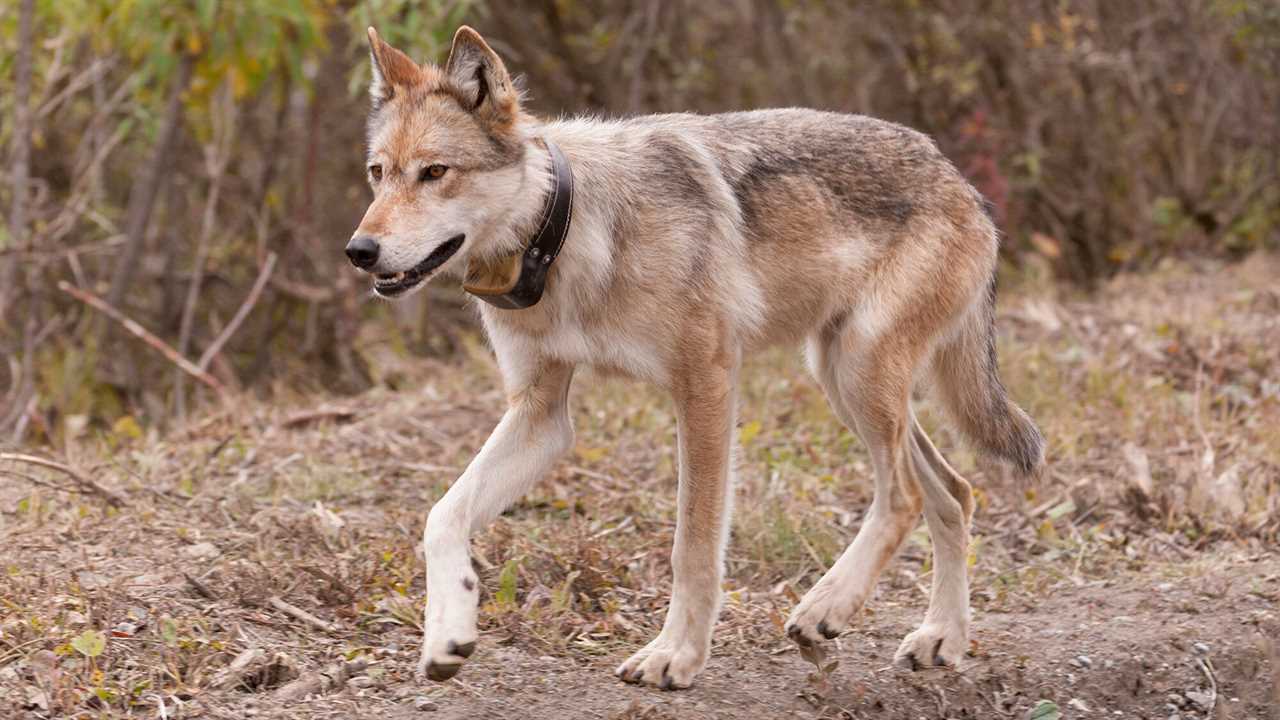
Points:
(969, 385)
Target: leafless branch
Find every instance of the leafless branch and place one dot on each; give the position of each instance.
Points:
(241, 314)
(141, 333)
(217, 155)
(299, 614)
(112, 499)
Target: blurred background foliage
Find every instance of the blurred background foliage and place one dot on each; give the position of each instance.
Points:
(168, 155)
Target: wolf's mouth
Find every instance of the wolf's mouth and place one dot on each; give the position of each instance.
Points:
(393, 284)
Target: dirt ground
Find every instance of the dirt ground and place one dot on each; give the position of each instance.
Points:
(261, 561)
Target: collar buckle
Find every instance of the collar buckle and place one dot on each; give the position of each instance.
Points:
(517, 281)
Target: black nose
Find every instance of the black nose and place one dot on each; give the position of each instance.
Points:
(363, 251)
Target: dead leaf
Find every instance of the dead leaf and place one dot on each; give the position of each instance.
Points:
(1046, 245)
(1141, 466)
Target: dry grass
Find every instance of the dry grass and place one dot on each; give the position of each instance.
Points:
(1159, 396)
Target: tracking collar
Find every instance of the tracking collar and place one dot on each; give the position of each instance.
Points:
(517, 280)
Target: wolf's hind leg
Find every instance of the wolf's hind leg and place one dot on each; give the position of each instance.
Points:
(532, 435)
(943, 638)
(867, 386)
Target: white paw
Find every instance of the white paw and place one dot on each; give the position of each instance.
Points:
(449, 627)
(442, 659)
(668, 664)
(933, 644)
(823, 613)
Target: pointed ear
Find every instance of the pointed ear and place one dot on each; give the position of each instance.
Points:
(478, 73)
(391, 69)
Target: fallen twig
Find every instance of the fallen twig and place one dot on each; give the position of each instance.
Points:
(333, 581)
(141, 333)
(201, 589)
(326, 413)
(241, 314)
(112, 499)
(254, 669)
(300, 614)
(38, 482)
(1207, 668)
(314, 683)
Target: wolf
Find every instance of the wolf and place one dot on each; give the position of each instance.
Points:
(686, 242)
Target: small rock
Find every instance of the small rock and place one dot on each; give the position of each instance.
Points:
(425, 704)
(362, 681)
(1201, 699)
(1164, 587)
(126, 629)
(202, 551)
(90, 580)
(1082, 661)
(1078, 704)
(1201, 648)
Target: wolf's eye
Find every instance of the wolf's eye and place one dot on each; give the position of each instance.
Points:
(375, 171)
(432, 172)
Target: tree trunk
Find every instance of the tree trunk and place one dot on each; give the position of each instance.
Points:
(142, 196)
(21, 155)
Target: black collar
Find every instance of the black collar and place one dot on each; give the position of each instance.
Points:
(518, 280)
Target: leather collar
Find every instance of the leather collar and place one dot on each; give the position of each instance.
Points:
(517, 281)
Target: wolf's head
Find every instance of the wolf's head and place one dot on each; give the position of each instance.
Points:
(446, 160)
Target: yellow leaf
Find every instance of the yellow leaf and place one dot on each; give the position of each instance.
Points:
(1037, 35)
(749, 432)
(89, 643)
(1047, 532)
(128, 428)
(591, 454)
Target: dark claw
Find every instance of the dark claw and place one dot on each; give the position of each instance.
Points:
(827, 632)
(915, 664)
(937, 655)
(666, 683)
(798, 637)
(439, 672)
(463, 650)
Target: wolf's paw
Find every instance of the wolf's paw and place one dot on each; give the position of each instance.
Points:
(933, 645)
(663, 663)
(821, 615)
(442, 660)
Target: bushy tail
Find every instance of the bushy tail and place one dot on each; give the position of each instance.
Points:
(968, 382)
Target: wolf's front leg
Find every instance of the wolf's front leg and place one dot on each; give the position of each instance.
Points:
(705, 411)
(533, 433)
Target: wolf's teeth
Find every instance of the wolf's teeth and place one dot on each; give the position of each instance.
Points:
(398, 276)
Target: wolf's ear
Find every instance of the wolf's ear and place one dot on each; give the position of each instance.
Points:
(477, 71)
(391, 69)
